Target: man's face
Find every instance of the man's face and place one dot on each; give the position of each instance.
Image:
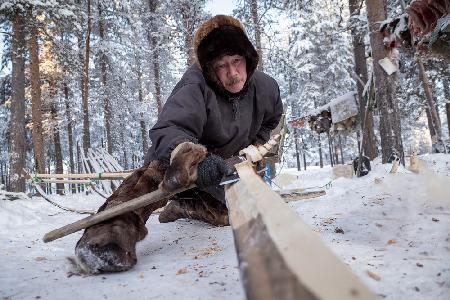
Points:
(232, 72)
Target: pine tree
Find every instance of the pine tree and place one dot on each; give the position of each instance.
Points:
(390, 130)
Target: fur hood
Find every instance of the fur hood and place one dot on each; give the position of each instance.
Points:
(218, 36)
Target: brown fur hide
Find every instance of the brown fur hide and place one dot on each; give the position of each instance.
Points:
(110, 246)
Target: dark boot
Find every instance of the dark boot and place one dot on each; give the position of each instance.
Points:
(197, 205)
(110, 246)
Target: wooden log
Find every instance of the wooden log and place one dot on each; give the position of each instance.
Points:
(296, 196)
(280, 257)
(112, 212)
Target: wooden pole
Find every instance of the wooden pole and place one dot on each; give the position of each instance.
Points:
(98, 176)
(66, 181)
(112, 212)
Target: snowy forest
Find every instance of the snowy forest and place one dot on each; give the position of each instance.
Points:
(348, 198)
(80, 74)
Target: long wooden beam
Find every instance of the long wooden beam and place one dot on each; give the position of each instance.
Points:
(281, 257)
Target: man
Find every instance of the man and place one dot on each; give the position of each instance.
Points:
(221, 105)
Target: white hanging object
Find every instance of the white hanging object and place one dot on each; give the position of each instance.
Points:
(388, 66)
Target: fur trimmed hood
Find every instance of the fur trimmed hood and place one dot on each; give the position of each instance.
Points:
(219, 36)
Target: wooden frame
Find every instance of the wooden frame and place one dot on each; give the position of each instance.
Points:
(280, 257)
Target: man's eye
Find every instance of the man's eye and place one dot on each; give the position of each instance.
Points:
(237, 61)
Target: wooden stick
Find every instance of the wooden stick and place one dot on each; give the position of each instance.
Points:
(281, 257)
(84, 175)
(122, 208)
(66, 181)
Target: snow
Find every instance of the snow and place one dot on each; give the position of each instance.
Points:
(395, 226)
(341, 108)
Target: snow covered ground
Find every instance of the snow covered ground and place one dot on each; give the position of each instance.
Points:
(393, 230)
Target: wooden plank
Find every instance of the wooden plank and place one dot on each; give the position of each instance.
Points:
(280, 257)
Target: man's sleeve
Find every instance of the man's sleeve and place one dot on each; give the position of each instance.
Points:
(271, 119)
(182, 119)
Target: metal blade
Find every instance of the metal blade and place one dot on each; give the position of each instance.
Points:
(229, 179)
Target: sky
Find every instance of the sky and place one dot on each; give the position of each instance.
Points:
(217, 7)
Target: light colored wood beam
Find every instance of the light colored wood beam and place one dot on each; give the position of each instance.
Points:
(281, 257)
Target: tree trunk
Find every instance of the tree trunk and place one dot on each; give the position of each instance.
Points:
(390, 129)
(57, 142)
(154, 47)
(369, 146)
(297, 154)
(17, 122)
(124, 150)
(79, 167)
(336, 152)
(330, 151)
(432, 114)
(188, 23)
(430, 125)
(36, 104)
(85, 83)
(320, 151)
(341, 150)
(257, 28)
(447, 104)
(144, 133)
(69, 133)
(103, 66)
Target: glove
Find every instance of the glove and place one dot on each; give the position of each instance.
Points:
(211, 171)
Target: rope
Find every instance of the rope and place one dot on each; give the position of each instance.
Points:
(46, 198)
(36, 181)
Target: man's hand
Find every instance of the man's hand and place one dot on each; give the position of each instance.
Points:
(182, 171)
(211, 170)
